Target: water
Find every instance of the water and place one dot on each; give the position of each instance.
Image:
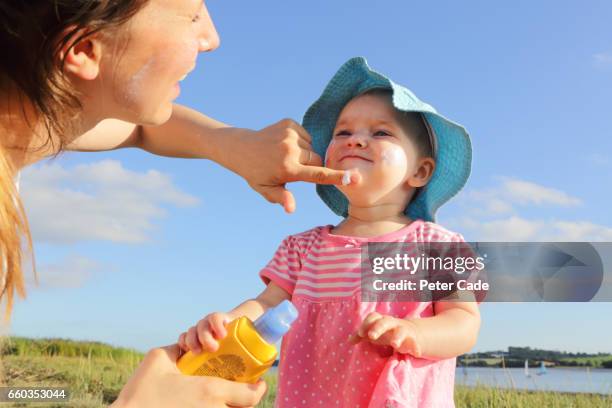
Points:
(598, 381)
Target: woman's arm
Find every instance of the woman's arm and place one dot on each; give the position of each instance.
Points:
(266, 159)
(187, 134)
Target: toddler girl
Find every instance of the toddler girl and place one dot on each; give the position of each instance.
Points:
(405, 161)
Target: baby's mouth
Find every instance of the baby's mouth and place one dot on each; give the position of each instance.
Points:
(354, 157)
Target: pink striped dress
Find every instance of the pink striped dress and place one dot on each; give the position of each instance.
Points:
(319, 367)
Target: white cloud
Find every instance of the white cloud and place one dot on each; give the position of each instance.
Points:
(603, 59)
(580, 231)
(517, 229)
(525, 192)
(493, 215)
(70, 272)
(97, 201)
(508, 229)
(512, 192)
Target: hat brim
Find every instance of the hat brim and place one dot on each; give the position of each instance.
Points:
(454, 149)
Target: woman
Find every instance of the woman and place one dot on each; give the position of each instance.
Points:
(95, 75)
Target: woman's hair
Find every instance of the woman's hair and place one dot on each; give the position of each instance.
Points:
(32, 34)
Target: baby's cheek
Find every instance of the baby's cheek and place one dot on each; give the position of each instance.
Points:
(393, 156)
(330, 152)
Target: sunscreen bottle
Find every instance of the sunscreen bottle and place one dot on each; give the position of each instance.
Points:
(248, 349)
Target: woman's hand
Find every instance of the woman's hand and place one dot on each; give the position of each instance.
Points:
(401, 334)
(157, 383)
(205, 334)
(279, 154)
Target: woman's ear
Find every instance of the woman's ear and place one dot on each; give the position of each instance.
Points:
(423, 173)
(82, 55)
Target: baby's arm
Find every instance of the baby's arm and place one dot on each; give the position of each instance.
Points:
(451, 332)
(206, 333)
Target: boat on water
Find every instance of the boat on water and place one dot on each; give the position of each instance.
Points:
(542, 369)
(527, 369)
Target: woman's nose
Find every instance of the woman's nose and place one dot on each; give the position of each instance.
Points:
(209, 38)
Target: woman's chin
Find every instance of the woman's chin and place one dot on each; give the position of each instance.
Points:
(159, 117)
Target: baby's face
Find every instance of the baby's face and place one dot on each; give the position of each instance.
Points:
(368, 137)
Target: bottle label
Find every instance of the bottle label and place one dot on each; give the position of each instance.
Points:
(228, 366)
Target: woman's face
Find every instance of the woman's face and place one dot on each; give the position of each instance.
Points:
(158, 49)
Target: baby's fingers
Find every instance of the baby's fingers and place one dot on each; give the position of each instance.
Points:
(181, 342)
(404, 341)
(355, 338)
(217, 323)
(398, 339)
(191, 340)
(205, 336)
(367, 323)
(380, 327)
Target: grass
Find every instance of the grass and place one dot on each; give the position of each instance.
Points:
(490, 397)
(95, 373)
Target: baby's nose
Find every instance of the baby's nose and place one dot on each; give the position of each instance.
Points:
(357, 139)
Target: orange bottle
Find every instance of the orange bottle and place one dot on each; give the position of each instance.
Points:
(247, 351)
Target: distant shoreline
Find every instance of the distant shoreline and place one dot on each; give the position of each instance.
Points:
(516, 357)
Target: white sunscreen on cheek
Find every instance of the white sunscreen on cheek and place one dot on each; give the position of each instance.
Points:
(136, 86)
(393, 156)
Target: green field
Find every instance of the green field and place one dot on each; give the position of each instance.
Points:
(95, 372)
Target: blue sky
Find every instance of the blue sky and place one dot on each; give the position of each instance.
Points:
(133, 248)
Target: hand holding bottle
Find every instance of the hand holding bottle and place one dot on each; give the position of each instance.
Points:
(241, 351)
(157, 383)
(205, 335)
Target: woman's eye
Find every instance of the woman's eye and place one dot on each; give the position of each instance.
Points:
(198, 15)
(382, 133)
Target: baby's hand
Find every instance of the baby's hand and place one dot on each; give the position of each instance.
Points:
(204, 335)
(384, 330)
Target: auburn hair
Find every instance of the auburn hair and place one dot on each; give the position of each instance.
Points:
(32, 34)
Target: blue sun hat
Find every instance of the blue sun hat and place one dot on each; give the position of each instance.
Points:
(451, 142)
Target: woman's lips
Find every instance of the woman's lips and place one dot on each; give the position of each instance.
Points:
(176, 90)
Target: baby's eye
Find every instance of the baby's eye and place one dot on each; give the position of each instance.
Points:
(382, 133)
(343, 133)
